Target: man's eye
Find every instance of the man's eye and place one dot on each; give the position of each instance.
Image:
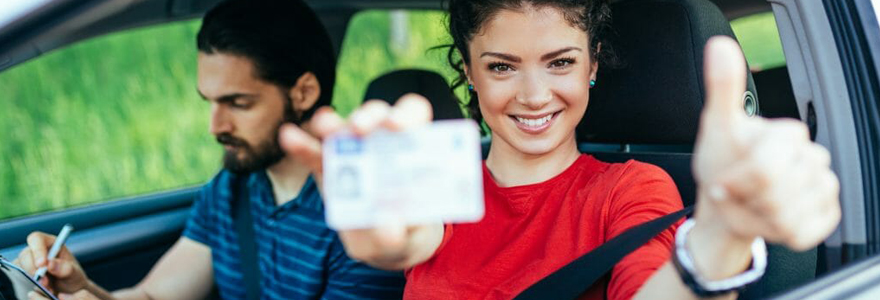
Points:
(500, 67)
(240, 103)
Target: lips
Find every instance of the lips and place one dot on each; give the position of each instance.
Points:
(534, 124)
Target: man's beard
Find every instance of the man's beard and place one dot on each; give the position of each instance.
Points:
(265, 154)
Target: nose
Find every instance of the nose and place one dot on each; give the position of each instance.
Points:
(534, 92)
(220, 120)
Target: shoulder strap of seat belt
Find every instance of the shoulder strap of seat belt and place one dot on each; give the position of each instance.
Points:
(244, 226)
(573, 279)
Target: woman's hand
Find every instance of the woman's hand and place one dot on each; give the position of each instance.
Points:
(756, 177)
(64, 274)
(391, 245)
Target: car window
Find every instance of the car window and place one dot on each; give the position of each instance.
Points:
(379, 41)
(759, 38)
(876, 4)
(109, 117)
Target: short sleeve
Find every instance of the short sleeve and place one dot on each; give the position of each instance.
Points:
(350, 279)
(199, 219)
(643, 193)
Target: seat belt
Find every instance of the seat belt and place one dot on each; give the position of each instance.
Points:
(247, 244)
(573, 279)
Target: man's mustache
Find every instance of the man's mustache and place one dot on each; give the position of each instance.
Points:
(228, 139)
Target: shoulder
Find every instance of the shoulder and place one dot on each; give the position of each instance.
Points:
(638, 186)
(633, 173)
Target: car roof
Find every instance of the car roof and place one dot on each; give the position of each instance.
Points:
(28, 30)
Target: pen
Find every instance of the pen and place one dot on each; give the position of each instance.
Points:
(53, 252)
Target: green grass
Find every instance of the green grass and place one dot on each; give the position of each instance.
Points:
(759, 38)
(369, 51)
(118, 115)
(106, 118)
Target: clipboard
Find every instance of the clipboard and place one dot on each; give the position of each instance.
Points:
(15, 283)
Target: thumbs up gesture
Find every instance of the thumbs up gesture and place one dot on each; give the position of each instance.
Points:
(758, 177)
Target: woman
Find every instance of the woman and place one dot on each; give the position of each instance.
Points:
(529, 66)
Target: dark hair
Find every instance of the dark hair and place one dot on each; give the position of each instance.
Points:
(283, 38)
(467, 17)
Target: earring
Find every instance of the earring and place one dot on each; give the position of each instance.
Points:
(470, 87)
(592, 83)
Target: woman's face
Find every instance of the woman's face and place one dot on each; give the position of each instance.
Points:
(531, 70)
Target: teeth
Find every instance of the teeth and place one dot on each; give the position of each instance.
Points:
(534, 122)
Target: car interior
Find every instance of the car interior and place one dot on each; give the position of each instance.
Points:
(646, 109)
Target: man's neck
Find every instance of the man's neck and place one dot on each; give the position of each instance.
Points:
(288, 177)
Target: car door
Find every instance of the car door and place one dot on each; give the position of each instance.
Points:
(833, 54)
(104, 133)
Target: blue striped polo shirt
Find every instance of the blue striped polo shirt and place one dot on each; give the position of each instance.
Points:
(299, 257)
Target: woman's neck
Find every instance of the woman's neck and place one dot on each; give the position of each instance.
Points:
(510, 167)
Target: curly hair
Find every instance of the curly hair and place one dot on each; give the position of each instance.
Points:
(283, 38)
(467, 17)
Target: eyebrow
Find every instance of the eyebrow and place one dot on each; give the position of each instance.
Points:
(229, 97)
(517, 59)
(503, 56)
(556, 53)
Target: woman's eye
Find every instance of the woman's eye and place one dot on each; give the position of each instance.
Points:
(561, 63)
(500, 67)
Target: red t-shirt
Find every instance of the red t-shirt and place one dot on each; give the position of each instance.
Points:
(532, 230)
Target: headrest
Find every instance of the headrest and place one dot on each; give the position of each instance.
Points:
(393, 85)
(655, 96)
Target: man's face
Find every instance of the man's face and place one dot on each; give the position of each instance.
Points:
(246, 112)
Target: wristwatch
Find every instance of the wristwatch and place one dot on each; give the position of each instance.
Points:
(704, 287)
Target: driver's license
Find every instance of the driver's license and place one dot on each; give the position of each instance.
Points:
(425, 175)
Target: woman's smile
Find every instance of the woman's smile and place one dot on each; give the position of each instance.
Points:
(534, 123)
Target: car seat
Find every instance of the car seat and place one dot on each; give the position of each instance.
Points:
(648, 107)
(392, 85)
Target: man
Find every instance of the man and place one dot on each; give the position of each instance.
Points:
(260, 64)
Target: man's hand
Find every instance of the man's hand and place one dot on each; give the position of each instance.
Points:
(392, 245)
(65, 275)
(757, 177)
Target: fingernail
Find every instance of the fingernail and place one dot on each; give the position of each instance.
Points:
(53, 266)
(41, 261)
(717, 193)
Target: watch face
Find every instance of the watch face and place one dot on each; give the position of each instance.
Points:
(15, 284)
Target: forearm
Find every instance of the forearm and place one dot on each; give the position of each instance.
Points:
(714, 261)
(100, 292)
(666, 284)
(716, 252)
(399, 252)
(133, 293)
